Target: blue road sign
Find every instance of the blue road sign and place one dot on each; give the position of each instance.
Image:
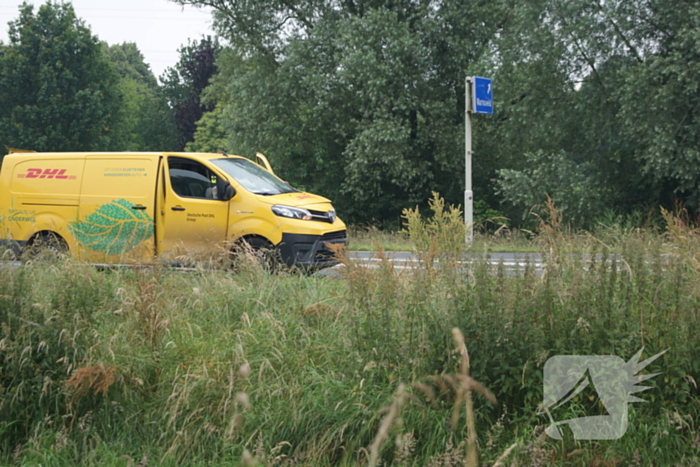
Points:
(482, 96)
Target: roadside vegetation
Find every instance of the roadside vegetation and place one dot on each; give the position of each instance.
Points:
(496, 235)
(151, 366)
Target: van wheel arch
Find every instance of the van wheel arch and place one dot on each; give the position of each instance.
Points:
(259, 247)
(46, 242)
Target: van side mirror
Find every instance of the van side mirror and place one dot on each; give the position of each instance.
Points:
(227, 191)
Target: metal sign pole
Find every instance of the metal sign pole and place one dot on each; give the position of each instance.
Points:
(478, 98)
(468, 194)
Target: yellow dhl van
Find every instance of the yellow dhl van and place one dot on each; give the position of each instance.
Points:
(120, 208)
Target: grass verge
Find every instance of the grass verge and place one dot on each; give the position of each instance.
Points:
(152, 366)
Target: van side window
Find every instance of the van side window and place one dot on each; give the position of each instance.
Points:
(191, 179)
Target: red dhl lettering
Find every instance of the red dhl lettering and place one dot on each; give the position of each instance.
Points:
(47, 173)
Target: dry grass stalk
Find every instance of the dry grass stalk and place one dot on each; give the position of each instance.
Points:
(473, 385)
(467, 385)
(680, 230)
(506, 453)
(241, 399)
(248, 460)
(428, 391)
(148, 308)
(445, 382)
(95, 380)
(394, 411)
(551, 231)
(552, 227)
(340, 252)
(472, 459)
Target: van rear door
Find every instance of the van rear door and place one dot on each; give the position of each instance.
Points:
(117, 208)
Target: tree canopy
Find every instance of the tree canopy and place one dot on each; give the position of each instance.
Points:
(59, 91)
(362, 100)
(145, 120)
(596, 103)
(598, 111)
(184, 83)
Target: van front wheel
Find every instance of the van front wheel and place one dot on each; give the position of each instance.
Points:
(257, 250)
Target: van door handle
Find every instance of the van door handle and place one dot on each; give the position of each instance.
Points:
(138, 206)
(177, 208)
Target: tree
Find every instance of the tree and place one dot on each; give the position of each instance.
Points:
(660, 102)
(597, 102)
(555, 118)
(210, 135)
(145, 120)
(360, 101)
(623, 127)
(184, 83)
(59, 92)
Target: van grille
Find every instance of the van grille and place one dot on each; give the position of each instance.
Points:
(334, 237)
(322, 216)
(324, 254)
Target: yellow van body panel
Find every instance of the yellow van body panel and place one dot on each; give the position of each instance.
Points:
(117, 208)
(39, 195)
(137, 207)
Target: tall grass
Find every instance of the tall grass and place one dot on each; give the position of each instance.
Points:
(153, 366)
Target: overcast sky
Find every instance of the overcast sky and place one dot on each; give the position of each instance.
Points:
(158, 27)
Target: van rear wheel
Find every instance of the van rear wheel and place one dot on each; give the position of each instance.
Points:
(46, 246)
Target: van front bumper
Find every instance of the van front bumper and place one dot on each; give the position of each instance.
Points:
(310, 251)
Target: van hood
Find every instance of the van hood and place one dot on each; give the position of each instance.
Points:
(296, 200)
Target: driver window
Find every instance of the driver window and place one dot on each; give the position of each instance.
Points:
(191, 179)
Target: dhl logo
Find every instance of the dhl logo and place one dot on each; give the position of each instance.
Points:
(47, 173)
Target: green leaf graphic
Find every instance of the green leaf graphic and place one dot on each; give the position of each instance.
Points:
(114, 228)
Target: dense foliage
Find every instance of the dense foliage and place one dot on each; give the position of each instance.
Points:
(184, 83)
(363, 100)
(596, 102)
(63, 90)
(604, 96)
(363, 104)
(58, 90)
(146, 121)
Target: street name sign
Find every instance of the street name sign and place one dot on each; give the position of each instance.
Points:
(483, 95)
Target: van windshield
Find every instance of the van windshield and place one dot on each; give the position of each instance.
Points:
(253, 177)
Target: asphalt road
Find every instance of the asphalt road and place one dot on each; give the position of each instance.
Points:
(407, 259)
(512, 262)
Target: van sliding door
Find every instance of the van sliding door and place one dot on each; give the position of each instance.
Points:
(117, 209)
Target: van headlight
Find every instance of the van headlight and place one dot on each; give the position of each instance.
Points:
(292, 213)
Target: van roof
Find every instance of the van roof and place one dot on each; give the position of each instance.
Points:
(200, 155)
